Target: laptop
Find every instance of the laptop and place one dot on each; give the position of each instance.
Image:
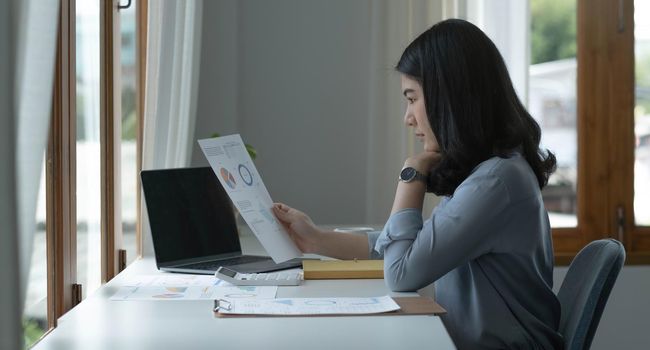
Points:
(193, 224)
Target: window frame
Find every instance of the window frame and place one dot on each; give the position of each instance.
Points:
(61, 231)
(605, 119)
(141, 15)
(63, 291)
(110, 119)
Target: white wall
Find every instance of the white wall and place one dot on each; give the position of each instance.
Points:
(311, 86)
(292, 78)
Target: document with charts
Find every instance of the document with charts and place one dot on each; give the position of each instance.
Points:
(174, 280)
(126, 293)
(235, 170)
(308, 306)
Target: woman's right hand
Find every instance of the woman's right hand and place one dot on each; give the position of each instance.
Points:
(423, 161)
(300, 227)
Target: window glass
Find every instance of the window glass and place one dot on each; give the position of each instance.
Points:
(642, 113)
(129, 168)
(552, 100)
(35, 308)
(88, 146)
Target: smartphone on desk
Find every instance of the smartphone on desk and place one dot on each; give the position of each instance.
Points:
(280, 278)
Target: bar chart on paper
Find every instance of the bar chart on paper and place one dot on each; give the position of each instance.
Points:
(194, 292)
(311, 306)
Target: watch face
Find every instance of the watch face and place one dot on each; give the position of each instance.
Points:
(407, 174)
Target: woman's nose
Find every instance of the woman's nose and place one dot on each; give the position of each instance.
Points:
(408, 119)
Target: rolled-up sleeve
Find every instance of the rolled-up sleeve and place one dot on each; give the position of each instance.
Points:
(402, 225)
(372, 240)
(416, 253)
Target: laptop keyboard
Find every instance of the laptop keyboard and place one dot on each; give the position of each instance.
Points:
(214, 265)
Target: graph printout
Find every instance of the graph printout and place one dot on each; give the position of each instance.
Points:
(127, 293)
(235, 170)
(174, 280)
(311, 306)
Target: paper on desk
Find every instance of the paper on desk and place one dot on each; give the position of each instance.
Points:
(311, 306)
(235, 170)
(194, 292)
(174, 280)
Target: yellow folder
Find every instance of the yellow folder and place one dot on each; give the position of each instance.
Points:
(342, 269)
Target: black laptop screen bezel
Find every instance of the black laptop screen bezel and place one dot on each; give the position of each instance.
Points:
(190, 215)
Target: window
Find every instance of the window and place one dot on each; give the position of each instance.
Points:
(642, 113)
(88, 147)
(128, 138)
(80, 211)
(582, 80)
(35, 322)
(552, 100)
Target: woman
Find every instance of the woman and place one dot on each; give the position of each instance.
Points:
(487, 245)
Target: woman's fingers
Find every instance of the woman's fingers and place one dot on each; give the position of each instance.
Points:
(285, 219)
(295, 222)
(296, 238)
(281, 206)
(288, 214)
(281, 214)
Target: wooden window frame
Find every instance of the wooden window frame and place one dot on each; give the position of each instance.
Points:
(61, 233)
(635, 238)
(110, 121)
(605, 119)
(141, 13)
(61, 222)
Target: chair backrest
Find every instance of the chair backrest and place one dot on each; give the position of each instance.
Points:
(585, 290)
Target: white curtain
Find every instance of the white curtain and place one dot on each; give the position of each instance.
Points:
(393, 26)
(9, 297)
(27, 51)
(507, 23)
(173, 52)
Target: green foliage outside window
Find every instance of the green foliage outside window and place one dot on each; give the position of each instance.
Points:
(642, 77)
(553, 30)
(32, 332)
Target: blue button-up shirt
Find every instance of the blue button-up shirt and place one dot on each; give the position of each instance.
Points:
(488, 248)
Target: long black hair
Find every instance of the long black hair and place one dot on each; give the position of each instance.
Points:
(471, 104)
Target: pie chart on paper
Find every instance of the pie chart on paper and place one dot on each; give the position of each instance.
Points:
(228, 178)
(245, 175)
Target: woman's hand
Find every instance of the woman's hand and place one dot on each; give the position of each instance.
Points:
(411, 194)
(423, 162)
(299, 226)
(311, 239)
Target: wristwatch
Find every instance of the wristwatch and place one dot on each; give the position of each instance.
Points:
(409, 174)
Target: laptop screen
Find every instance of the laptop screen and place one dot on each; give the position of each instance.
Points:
(190, 214)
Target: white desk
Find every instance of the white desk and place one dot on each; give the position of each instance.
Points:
(98, 323)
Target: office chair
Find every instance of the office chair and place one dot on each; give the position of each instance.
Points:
(585, 290)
